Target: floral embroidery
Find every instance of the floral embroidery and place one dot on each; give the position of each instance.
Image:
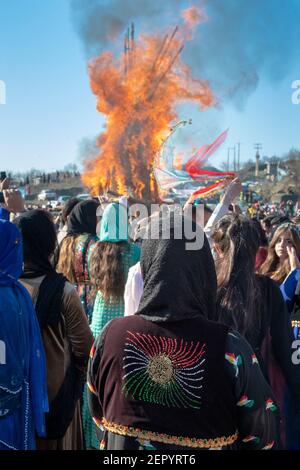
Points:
(163, 370)
(168, 439)
(254, 439)
(236, 361)
(270, 405)
(244, 401)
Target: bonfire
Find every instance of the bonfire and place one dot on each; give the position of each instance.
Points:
(138, 94)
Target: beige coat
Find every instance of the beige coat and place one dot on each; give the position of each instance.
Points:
(71, 335)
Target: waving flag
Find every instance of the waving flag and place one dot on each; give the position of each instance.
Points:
(192, 172)
(198, 160)
(167, 179)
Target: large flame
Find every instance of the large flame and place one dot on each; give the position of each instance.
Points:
(138, 94)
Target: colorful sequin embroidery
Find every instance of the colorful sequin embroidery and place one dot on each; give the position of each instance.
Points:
(268, 446)
(236, 361)
(164, 371)
(270, 405)
(103, 445)
(92, 388)
(254, 439)
(92, 351)
(151, 436)
(244, 401)
(254, 359)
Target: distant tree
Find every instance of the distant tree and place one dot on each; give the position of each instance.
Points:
(248, 164)
(71, 168)
(292, 164)
(224, 166)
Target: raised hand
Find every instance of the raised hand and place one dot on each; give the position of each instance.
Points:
(4, 184)
(294, 260)
(14, 200)
(233, 190)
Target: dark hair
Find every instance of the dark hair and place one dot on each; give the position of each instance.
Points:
(107, 270)
(268, 220)
(39, 240)
(238, 291)
(279, 220)
(262, 234)
(69, 205)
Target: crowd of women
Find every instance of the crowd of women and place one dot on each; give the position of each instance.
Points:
(111, 343)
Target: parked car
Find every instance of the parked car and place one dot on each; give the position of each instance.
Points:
(47, 195)
(63, 199)
(54, 204)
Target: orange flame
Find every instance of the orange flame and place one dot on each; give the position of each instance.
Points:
(138, 94)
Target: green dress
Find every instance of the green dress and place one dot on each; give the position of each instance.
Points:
(104, 312)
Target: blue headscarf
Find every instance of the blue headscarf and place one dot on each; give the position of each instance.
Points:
(23, 388)
(114, 224)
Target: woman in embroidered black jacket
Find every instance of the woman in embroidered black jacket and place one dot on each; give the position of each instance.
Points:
(169, 377)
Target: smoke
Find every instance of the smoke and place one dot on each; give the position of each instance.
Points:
(240, 43)
(87, 150)
(100, 22)
(244, 42)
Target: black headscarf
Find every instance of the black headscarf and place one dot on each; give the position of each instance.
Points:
(39, 242)
(83, 218)
(178, 283)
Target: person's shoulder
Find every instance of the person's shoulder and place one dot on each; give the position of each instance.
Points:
(237, 344)
(135, 270)
(7, 293)
(267, 283)
(123, 323)
(270, 290)
(135, 251)
(10, 302)
(69, 289)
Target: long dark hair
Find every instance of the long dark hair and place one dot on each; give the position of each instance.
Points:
(107, 269)
(238, 240)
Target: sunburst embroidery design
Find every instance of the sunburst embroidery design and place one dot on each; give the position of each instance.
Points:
(164, 371)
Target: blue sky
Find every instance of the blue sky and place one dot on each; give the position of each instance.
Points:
(49, 106)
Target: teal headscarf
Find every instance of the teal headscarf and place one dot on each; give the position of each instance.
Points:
(114, 224)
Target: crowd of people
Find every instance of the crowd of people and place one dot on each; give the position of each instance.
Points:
(114, 342)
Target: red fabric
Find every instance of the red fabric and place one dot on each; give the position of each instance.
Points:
(202, 155)
(207, 189)
(261, 257)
